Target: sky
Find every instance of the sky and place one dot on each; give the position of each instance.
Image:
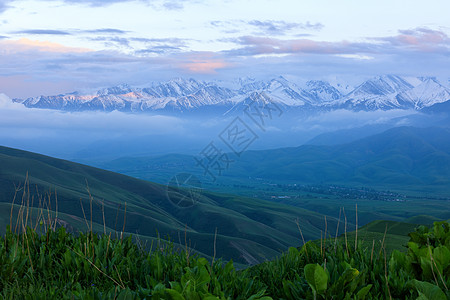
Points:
(56, 46)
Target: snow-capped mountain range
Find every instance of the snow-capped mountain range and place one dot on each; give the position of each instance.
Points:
(382, 92)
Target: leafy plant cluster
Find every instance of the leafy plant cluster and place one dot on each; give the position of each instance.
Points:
(57, 264)
(340, 271)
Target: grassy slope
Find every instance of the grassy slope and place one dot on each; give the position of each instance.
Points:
(396, 235)
(414, 162)
(401, 158)
(404, 158)
(256, 229)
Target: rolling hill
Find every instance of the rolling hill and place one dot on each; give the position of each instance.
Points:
(248, 230)
(394, 175)
(402, 158)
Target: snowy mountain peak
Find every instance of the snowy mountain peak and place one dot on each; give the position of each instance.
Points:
(322, 91)
(245, 80)
(381, 92)
(116, 90)
(383, 85)
(316, 83)
(427, 78)
(428, 93)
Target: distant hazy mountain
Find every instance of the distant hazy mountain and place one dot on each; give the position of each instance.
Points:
(439, 108)
(382, 92)
(344, 136)
(400, 158)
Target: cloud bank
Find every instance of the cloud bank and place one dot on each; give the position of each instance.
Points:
(140, 41)
(105, 135)
(413, 52)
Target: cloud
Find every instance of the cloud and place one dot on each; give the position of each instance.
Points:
(6, 103)
(98, 2)
(28, 69)
(161, 49)
(419, 39)
(42, 31)
(24, 45)
(139, 60)
(4, 5)
(173, 5)
(165, 4)
(62, 134)
(345, 119)
(254, 45)
(53, 131)
(15, 114)
(160, 4)
(203, 63)
(70, 32)
(113, 41)
(176, 41)
(266, 27)
(355, 56)
(271, 27)
(107, 30)
(160, 45)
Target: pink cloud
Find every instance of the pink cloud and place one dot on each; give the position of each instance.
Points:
(203, 63)
(262, 45)
(26, 45)
(408, 39)
(421, 39)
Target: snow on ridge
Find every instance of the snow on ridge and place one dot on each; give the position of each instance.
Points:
(380, 92)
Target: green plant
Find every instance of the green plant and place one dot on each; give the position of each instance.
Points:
(52, 263)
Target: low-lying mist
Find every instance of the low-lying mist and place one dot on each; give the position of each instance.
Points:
(97, 136)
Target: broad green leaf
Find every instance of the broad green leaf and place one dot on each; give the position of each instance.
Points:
(316, 277)
(202, 261)
(362, 293)
(345, 265)
(438, 229)
(229, 267)
(427, 290)
(442, 255)
(260, 296)
(173, 295)
(425, 264)
(126, 294)
(159, 287)
(349, 275)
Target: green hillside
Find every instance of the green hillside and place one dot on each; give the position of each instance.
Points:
(392, 235)
(396, 175)
(248, 230)
(402, 157)
(410, 159)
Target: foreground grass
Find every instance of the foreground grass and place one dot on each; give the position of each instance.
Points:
(57, 264)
